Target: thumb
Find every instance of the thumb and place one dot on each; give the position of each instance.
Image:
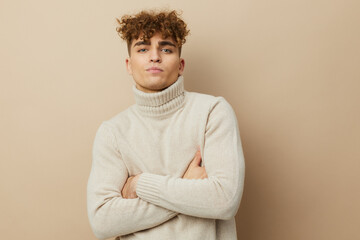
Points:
(197, 159)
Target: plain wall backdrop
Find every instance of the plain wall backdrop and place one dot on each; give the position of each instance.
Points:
(290, 69)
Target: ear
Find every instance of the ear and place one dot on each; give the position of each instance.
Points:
(128, 65)
(181, 66)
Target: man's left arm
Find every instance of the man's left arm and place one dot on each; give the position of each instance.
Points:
(217, 196)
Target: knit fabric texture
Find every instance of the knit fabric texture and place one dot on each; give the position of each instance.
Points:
(158, 137)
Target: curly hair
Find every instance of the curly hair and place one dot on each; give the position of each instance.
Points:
(147, 23)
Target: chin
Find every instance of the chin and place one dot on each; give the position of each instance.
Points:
(158, 85)
(155, 84)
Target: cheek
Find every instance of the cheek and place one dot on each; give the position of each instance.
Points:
(175, 64)
(136, 65)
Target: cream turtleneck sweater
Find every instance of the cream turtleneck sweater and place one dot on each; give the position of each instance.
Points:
(158, 137)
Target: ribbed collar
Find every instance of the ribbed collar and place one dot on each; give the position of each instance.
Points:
(160, 103)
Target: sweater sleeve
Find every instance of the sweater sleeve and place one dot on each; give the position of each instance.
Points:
(109, 214)
(217, 196)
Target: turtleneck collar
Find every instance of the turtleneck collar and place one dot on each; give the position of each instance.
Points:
(163, 102)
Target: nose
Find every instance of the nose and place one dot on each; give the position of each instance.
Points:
(155, 57)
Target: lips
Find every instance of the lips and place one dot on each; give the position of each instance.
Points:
(154, 70)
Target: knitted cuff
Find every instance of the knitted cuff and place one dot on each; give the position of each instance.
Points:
(148, 187)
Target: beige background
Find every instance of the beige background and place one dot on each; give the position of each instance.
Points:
(290, 69)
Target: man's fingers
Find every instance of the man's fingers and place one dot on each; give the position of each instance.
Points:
(197, 159)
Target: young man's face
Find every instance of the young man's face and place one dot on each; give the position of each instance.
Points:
(155, 64)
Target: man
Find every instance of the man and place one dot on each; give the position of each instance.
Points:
(147, 181)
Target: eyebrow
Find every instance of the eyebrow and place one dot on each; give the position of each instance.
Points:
(161, 43)
(166, 43)
(141, 43)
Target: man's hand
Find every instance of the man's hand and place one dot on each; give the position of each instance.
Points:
(129, 189)
(194, 170)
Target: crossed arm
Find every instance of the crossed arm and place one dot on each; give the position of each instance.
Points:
(194, 171)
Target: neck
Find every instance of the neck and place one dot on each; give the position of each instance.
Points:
(162, 102)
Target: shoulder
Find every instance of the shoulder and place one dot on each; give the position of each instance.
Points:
(201, 97)
(218, 110)
(122, 117)
(119, 122)
(208, 102)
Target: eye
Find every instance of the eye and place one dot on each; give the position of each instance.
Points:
(166, 50)
(142, 50)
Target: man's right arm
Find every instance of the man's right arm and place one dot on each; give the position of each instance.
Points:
(109, 213)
